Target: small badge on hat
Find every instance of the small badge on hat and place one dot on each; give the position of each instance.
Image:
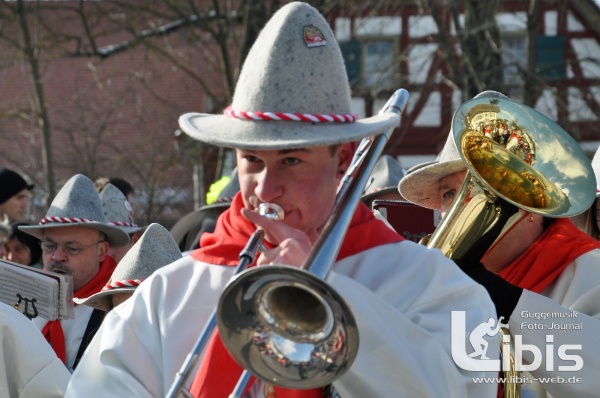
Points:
(313, 37)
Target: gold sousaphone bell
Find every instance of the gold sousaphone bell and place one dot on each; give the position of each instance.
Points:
(515, 153)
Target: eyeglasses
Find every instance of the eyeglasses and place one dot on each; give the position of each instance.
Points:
(69, 248)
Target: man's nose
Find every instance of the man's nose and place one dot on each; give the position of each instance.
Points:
(269, 185)
(59, 254)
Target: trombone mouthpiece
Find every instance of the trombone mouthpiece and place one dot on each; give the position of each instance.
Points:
(271, 210)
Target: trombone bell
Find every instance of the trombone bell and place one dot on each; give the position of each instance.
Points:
(287, 327)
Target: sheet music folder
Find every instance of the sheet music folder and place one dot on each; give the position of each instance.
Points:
(35, 292)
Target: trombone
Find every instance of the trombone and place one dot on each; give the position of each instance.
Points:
(286, 325)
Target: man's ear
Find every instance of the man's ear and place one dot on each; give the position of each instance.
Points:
(103, 250)
(135, 237)
(346, 153)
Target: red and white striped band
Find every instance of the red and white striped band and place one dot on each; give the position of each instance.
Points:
(118, 284)
(297, 117)
(73, 220)
(224, 199)
(123, 224)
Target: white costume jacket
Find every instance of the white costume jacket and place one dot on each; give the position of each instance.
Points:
(73, 329)
(567, 318)
(402, 295)
(30, 368)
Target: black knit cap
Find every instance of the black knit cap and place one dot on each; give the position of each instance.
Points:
(11, 183)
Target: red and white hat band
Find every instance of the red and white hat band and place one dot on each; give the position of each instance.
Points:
(118, 284)
(296, 117)
(123, 224)
(65, 220)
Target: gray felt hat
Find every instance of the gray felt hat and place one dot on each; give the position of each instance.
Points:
(419, 185)
(384, 178)
(294, 70)
(155, 249)
(78, 204)
(117, 210)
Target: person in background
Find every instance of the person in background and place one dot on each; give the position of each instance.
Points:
(188, 229)
(382, 185)
(530, 265)
(30, 369)
(589, 220)
(4, 234)
(75, 239)
(434, 184)
(14, 195)
(122, 184)
(23, 248)
(118, 212)
(155, 248)
(217, 187)
(400, 293)
(383, 182)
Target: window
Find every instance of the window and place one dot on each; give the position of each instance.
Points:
(550, 57)
(370, 63)
(514, 56)
(378, 62)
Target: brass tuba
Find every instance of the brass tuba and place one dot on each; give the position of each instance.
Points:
(517, 155)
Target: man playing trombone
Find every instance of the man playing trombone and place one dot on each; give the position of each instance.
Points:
(294, 135)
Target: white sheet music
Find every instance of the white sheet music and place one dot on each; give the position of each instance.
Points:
(36, 293)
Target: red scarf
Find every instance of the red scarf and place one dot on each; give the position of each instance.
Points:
(544, 261)
(53, 331)
(219, 373)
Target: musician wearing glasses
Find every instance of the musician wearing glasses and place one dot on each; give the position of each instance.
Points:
(75, 239)
(384, 310)
(540, 270)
